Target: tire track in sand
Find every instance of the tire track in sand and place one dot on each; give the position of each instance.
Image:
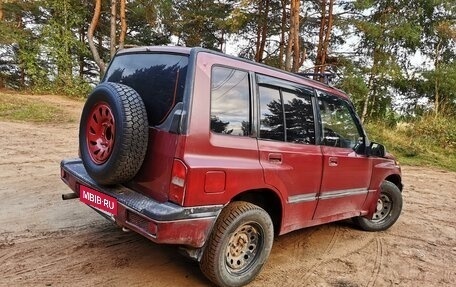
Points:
(378, 261)
(324, 256)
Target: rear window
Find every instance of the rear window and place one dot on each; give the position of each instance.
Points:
(158, 78)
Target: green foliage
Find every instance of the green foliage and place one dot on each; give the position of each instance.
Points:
(17, 43)
(13, 107)
(250, 21)
(77, 88)
(353, 82)
(444, 76)
(202, 22)
(438, 130)
(363, 4)
(427, 141)
(390, 33)
(408, 34)
(143, 16)
(43, 47)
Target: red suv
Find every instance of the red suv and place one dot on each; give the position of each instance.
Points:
(218, 154)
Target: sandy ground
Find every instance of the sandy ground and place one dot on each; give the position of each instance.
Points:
(45, 241)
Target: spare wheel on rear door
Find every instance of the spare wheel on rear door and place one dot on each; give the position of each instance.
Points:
(113, 133)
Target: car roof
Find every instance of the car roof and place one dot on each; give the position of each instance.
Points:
(165, 49)
(275, 72)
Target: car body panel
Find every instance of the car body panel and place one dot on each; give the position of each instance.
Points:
(311, 184)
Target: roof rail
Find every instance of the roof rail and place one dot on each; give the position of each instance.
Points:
(127, 46)
(327, 77)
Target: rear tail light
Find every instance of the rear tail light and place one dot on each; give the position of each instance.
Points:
(178, 182)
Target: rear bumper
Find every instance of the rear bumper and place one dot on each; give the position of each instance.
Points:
(160, 222)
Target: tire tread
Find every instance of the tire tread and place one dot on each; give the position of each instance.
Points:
(369, 225)
(127, 157)
(228, 215)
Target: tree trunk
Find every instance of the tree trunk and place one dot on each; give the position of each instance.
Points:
(321, 34)
(1, 10)
(283, 27)
(20, 60)
(329, 26)
(65, 62)
(222, 42)
(113, 27)
(436, 81)
(371, 84)
(22, 77)
(377, 59)
(366, 99)
(259, 27)
(264, 31)
(293, 54)
(93, 49)
(303, 56)
(324, 36)
(123, 24)
(296, 44)
(294, 27)
(81, 54)
(289, 49)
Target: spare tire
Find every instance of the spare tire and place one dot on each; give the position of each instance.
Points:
(113, 133)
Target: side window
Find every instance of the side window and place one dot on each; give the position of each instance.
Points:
(300, 124)
(339, 128)
(271, 115)
(286, 116)
(230, 101)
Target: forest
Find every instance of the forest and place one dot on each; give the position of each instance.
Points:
(396, 59)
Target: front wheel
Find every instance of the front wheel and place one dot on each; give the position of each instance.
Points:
(239, 245)
(389, 207)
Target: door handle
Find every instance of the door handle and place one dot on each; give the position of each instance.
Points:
(333, 161)
(275, 158)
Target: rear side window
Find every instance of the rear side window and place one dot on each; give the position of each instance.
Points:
(286, 116)
(230, 101)
(158, 78)
(271, 119)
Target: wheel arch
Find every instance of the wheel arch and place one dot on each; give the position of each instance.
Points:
(396, 180)
(266, 199)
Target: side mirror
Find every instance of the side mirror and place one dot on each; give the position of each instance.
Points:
(376, 149)
(360, 147)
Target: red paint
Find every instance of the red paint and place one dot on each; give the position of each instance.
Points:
(215, 182)
(352, 171)
(100, 133)
(154, 177)
(190, 232)
(312, 184)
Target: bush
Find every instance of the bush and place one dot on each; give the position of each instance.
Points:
(428, 140)
(74, 88)
(436, 130)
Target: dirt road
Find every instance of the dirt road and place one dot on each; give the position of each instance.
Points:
(45, 241)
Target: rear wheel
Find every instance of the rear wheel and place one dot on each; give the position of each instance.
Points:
(113, 133)
(389, 207)
(239, 245)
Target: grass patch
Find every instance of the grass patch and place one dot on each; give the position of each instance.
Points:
(15, 108)
(429, 141)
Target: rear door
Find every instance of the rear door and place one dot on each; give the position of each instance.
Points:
(346, 174)
(160, 79)
(291, 161)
